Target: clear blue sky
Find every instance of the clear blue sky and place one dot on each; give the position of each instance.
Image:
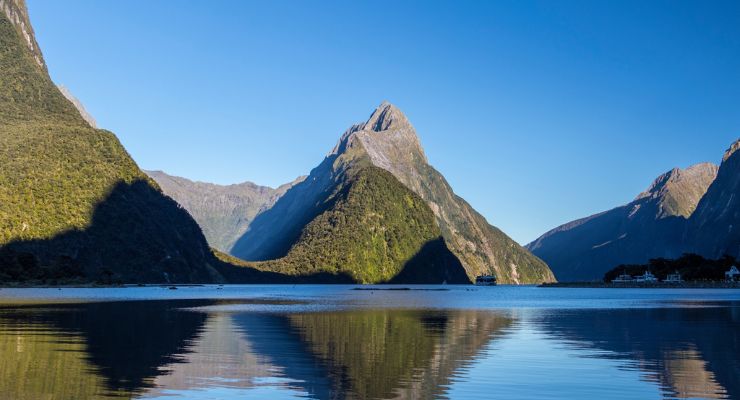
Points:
(536, 112)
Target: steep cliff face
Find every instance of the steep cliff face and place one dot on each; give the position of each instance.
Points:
(714, 228)
(388, 141)
(72, 201)
(17, 14)
(223, 211)
(651, 226)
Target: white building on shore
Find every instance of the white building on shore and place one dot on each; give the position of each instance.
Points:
(733, 275)
(673, 278)
(647, 277)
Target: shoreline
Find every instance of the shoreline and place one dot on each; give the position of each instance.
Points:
(100, 285)
(643, 285)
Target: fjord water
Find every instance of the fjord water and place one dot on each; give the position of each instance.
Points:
(461, 342)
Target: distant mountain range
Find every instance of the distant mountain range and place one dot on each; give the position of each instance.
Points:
(74, 205)
(223, 211)
(684, 211)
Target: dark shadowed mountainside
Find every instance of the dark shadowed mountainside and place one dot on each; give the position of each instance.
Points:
(714, 228)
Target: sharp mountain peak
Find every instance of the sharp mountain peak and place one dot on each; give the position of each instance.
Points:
(387, 136)
(386, 117)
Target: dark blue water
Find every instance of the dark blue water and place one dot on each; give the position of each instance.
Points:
(322, 342)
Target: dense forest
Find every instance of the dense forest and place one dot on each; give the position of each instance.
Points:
(371, 229)
(74, 206)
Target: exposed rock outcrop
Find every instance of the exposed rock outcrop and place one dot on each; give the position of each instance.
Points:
(17, 13)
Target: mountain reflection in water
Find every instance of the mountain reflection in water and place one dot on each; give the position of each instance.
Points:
(691, 352)
(152, 349)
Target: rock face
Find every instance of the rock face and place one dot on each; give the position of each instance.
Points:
(714, 228)
(223, 211)
(78, 105)
(72, 201)
(677, 192)
(16, 13)
(651, 226)
(389, 142)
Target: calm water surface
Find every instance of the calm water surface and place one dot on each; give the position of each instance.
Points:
(334, 342)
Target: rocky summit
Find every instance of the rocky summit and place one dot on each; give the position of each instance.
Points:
(678, 191)
(387, 141)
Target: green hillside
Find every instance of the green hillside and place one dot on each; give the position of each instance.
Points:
(373, 230)
(73, 204)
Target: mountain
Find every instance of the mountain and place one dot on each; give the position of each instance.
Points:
(350, 221)
(72, 201)
(714, 228)
(399, 354)
(386, 149)
(223, 211)
(653, 225)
